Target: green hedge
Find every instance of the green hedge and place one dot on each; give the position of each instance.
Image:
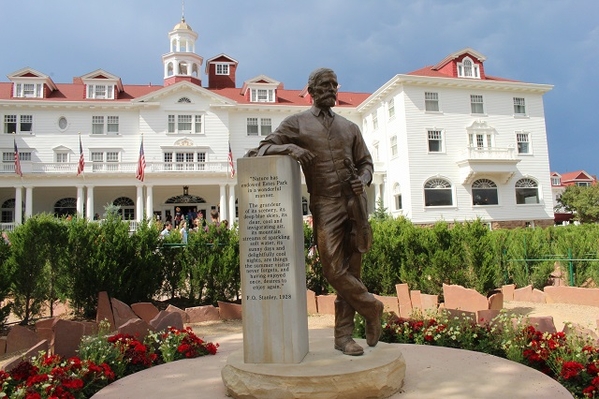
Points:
(50, 259)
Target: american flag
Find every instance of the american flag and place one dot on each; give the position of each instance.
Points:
(81, 164)
(141, 163)
(231, 163)
(17, 160)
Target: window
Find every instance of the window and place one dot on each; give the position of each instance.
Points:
(583, 183)
(265, 126)
(8, 211)
(262, 95)
(391, 106)
(527, 191)
(29, 90)
(105, 160)
(523, 141)
(556, 181)
(431, 102)
(222, 69)
(100, 92)
(112, 124)
(184, 100)
(393, 144)
(484, 192)
(8, 159)
(62, 157)
(185, 124)
(65, 206)
(97, 125)
(519, 106)
(375, 121)
(435, 141)
(398, 204)
(126, 208)
(480, 140)
(437, 192)
(476, 104)
(468, 69)
(21, 124)
(62, 123)
(185, 160)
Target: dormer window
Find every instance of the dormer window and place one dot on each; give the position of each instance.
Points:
(222, 69)
(29, 90)
(468, 69)
(262, 95)
(556, 180)
(100, 92)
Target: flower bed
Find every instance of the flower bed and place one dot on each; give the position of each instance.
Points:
(102, 359)
(571, 360)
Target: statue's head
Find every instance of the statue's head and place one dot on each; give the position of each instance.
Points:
(322, 86)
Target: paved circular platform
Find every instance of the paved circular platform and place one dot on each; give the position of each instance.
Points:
(432, 372)
(325, 373)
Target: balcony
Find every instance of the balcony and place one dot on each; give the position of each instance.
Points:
(491, 162)
(118, 168)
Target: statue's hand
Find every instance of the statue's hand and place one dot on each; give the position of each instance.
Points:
(357, 186)
(300, 154)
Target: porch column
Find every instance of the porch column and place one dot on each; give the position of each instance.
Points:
(18, 205)
(90, 203)
(139, 204)
(223, 201)
(231, 204)
(80, 201)
(28, 202)
(149, 202)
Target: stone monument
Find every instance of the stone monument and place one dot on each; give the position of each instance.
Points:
(273, 272)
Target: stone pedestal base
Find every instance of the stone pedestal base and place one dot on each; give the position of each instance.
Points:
(324, 373)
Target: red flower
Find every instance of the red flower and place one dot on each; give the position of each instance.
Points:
(571, 370)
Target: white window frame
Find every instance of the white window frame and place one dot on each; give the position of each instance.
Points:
(523, 143)
(431, 101)
(526, 184)
(477, 104)
(391, 108)
(222, 68)
(100, 91)
(28, 90)
(468, 69)
(61, 157)
(105, 125)
(256, 126)
(177, 123)
(556, 181)
(434, 136)
(105, 160)
(482, 190)
(438, 183)
(262, 95)
(18, 122)
(188, 159)
(519, 106)
(375, 120)
(393, 146)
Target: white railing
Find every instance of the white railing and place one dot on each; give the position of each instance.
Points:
(489, 153)
(116, 167)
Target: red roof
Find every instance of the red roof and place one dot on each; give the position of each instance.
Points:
(76, 92)
(430, 72)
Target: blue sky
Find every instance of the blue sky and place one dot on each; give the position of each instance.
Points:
(366, 41)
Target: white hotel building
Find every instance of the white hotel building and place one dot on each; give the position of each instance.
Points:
(449, 142)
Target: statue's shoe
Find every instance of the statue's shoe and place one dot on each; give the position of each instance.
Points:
(373, 327)
(349, 347)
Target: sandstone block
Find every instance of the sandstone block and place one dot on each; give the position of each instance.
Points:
(33, 351)
(496, 301)
(199, 314)
(390, 303)
(538, 296)
(405, 302)
(122, 312)
(229, 311)
(136, 327)
(485, 316)
(573, 295)
(311, 302)
(542, 323)
(145, 310)
(20, 338)
(523, 294)
(105, 310)
(429, 302)
(174, 309)
(416, 300)
(66, 338)
(326, 304)
(2, 346)
(466, 299)
(508, 292)
(165, 319)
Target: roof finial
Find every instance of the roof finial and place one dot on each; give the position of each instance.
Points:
(182, 10)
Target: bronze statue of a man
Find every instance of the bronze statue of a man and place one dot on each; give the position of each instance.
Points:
(337, 167)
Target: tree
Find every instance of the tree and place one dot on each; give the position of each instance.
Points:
(380, 213)
(583, 202)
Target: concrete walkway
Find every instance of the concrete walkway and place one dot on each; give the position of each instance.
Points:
(431, 372)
